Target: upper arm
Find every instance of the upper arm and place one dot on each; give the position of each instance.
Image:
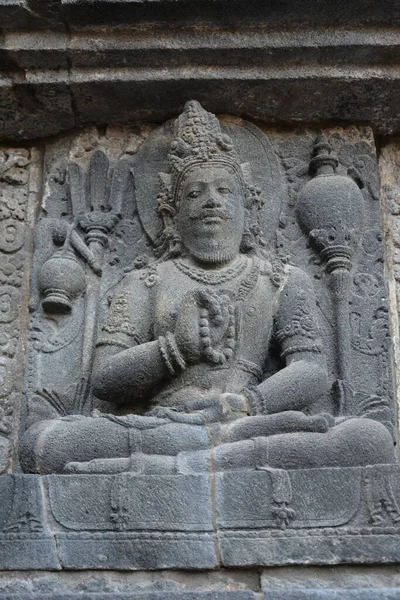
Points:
(296, 328)
(128, 319)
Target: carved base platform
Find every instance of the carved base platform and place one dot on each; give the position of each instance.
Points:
(200, 521)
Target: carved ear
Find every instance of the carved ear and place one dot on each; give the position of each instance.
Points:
(164, 198)
(246, 171)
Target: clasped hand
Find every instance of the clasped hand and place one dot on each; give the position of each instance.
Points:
(205, 328)
(232, 409)
(217, 409)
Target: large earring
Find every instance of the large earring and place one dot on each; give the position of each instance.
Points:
(174, 240)
(248, 242)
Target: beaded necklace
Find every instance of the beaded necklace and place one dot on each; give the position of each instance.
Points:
(212, 277)
(210, 314)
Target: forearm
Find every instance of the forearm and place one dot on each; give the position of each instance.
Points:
(293, 388)
(136, 370)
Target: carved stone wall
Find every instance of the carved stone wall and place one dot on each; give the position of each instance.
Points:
(175, 425)
(84, 515)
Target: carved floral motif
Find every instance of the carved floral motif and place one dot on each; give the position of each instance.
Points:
(14, 178)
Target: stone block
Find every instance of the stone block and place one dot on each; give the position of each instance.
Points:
(131, 502)
(17, 14)
(311, 498)
(178, 595)
(282, 14)
(137, 551)
(33, 50)
(286, 94)
(359, 594)
(25, 540)
(30, 107)
(124, 507)
(322, 547)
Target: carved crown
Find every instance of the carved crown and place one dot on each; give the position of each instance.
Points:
(200, 141)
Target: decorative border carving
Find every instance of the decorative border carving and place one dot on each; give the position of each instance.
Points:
(18, 180)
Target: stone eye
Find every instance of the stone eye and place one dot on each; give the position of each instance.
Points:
(223, 191)
(194, 194)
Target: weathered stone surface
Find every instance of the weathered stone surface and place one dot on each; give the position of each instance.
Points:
(20, 14)
(141, 595)
(189, 485)
(191, 488)
(333, 498)
(277, 95)
(35, 13)
(340, 578)
(223, 584)
(168, 358)
(122, 502)
(389, 164)
(284, 13)
(34, 106)
(360, 594)
(109, 537)
(329, 548)
(130, 551)
(279, 63)
(25, 539)
(229, 497)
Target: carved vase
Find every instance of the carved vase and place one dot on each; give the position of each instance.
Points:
(330, 207)
(61, 279)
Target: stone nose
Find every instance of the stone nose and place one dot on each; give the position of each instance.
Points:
(212, 201)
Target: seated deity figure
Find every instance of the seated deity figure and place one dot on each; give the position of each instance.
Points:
(183, 354)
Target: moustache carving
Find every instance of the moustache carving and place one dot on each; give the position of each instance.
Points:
(203, 213)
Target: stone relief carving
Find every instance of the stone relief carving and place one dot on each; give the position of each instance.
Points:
(210, 322)
(187, 337)
(186, 342)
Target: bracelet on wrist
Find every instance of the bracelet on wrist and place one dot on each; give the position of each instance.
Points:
(256, 401)
(171, 355)
(174, 353)
(162, 344)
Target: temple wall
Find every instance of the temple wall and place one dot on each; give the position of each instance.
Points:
(77, 77)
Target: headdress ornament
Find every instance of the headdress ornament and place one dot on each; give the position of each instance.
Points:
(199, 141)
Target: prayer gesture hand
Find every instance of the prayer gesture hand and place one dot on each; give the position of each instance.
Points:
(205, 329)
(221, 409)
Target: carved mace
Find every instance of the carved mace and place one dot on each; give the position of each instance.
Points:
(330, 210)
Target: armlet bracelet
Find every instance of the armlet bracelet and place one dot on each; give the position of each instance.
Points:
(256, 401)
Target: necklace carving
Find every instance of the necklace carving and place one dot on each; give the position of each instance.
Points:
(212, 277)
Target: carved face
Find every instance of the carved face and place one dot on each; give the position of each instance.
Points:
(210, 217)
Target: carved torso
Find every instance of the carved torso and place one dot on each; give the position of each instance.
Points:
(147, 305)
(258, 296)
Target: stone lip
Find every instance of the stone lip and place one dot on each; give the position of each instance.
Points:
(311, 516)
(177, 595)
(287, 593)
(64, 63)
(44, 13)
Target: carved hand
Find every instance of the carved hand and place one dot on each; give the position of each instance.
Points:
(205, 328)
(222, 409)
